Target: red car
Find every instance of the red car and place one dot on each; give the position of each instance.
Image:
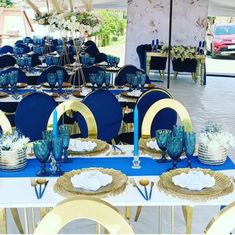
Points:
(221, 39)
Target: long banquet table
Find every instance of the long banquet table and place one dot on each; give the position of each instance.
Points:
(16, 190)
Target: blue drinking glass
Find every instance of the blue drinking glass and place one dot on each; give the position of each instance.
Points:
(13, 79)
(142, 81)
(134, 82)
(129, 77)
(92, 78)
(107, 78)
(174, 149)
(57, 151)
(64, 131)
(4, 81)
(92, 60)
(51, 78)
(178, 131)
(162, 136)
(60, 79)
(116, 61)
(189, 144)
(99, 80)
(47, 136)
(42, 153)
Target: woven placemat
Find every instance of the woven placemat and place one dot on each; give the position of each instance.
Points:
(64, 187)
(223, 185)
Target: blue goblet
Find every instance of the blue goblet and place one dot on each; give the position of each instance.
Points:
(189, 144)
(47, 136)
(99, 80)
(57, 151)
(116, 61)
(4, 81)
(64, 131)
(92, 78)
(60, 79)
(107, 78)
(51, 78)
(42, 153)
(162, 138)
(174, 149)
(13, 78)
(134, 82)
(178, 131)
(142, 81)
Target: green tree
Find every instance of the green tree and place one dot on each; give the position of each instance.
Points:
(6, 3)
(113, 25)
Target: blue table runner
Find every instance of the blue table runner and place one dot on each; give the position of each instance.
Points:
(148, 166)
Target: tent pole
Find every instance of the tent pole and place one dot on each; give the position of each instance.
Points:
(169, 46)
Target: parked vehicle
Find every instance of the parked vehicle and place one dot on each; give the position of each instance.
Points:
(221, 39)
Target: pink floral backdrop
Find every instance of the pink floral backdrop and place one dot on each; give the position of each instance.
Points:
(149, 19)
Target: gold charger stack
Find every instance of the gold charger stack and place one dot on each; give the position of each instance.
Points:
(64, 187)
(223, 185)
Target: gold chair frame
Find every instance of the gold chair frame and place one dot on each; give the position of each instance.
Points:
(158, 106)
(4, 123)
(83, 208)
(76, 106)
(223, 223)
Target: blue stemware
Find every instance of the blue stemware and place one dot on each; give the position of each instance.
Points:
(92, 78)
(51, 78)
(134, 82)
(162, 136)
(42, 153)
(99, 80)
(178, 131)
(64, 131)
(129, 77)
(107, 78)
(13, 79)
(60, 79)
(4, 81)
(116, 61)
(47, 136)
(142, 81)
(189, 144)
(57, 151)
(174, 149)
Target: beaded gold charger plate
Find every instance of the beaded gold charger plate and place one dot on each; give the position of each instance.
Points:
(64, 85)
(21, 85)
(157, 154)
(64, 187)
(223, 185)
(126, 95)
(101, 147)
(78, 94)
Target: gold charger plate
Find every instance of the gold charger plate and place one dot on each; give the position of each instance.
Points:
(64, 187)
(3, 94)
(157, 154)
(21, 85)
(125, 94)
(78, 94)
(223, 185)
(64, 85)
(101, 147)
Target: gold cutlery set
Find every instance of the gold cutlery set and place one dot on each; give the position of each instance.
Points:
(42, 186)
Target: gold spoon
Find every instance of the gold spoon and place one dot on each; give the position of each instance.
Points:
(144, 183)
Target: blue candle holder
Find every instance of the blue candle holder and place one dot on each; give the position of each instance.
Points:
(136, 162)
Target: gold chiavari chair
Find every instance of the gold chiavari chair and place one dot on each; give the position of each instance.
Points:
(145, 134)
(76, 106)
(223, 223)
(83, 208)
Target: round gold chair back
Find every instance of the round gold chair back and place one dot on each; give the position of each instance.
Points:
(4, 123)
(223, 223)
(158, 106)
(83, 208)
(76, 106)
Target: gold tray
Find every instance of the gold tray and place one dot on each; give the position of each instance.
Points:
(101, 147)
(223, 185)
(64, 187)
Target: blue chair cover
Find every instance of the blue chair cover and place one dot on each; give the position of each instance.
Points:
(120, 78)
(107, 112)
(19, 42)
(156, 63)
(21, 75)
(91, 49)
(165, 119)
(28, 40)
(26, 49)
(100, 57)
(35, 59)
(32, 114)
(52, 69)
(7, 60)
(6, 49)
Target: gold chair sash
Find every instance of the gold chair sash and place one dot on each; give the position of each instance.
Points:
(4, 123)
(76, 106)
(158, 106)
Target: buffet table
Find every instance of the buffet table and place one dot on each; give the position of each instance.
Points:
(20, 182)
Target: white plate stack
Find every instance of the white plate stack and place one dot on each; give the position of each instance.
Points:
(217, 157)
